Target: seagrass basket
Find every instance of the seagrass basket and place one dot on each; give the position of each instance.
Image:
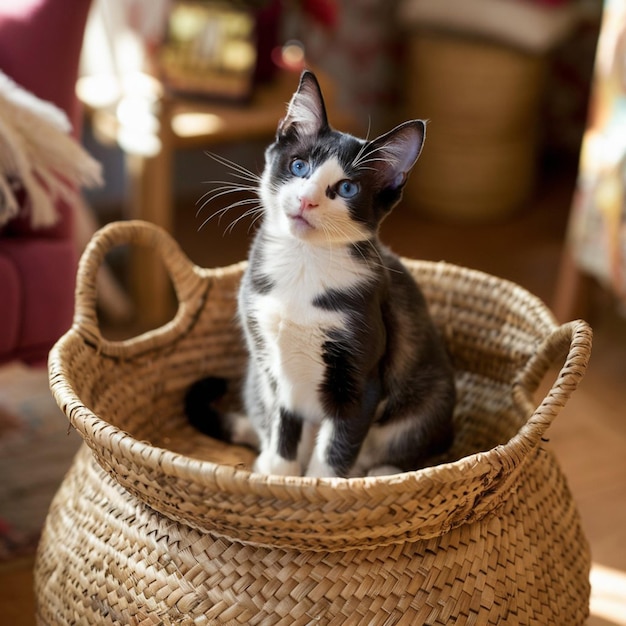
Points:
(483, 100)
(155, 524)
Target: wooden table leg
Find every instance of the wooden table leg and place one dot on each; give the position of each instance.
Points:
(151, 200)
(571, 298)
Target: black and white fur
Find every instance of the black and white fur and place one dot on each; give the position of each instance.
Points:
(347, 375)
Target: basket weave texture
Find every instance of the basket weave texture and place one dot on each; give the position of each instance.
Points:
(155, 524)
(483, 101)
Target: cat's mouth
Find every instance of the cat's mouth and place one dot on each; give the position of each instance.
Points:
(300, 223)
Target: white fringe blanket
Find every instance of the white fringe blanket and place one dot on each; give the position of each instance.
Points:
(38, 154)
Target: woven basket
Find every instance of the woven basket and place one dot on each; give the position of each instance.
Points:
(483, 101)
(155, 524)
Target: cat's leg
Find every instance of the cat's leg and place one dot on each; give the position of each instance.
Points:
(379, 454)
(307, 443)
(373, 458)
(341, 436)
(398, 446)
(243, 432)
(384, 470)
(255, 400)
(280, 455)
(336, 448)
(268, 462)
(318, 466)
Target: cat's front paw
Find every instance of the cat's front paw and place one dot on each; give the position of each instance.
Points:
(384, 470)
(320, 469)
(269, 463)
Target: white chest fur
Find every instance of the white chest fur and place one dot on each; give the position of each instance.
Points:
(293, 329)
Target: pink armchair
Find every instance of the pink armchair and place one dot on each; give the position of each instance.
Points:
(40, 42)
(37, 270)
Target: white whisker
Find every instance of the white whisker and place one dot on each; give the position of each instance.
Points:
(241, 171)
(219, 214)
(352, 233)
(369, 156)
(231, 184)
(382, 265)
(257, 217)
(212, 195)
(328, 230)
(257, 209)
(223, 188)
(359, 154)
(372, 159)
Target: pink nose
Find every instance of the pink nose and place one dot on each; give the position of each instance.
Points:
(307, 203)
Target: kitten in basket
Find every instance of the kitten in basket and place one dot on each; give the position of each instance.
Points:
(347, 375)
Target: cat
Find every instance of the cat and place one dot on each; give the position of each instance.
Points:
(347, 374)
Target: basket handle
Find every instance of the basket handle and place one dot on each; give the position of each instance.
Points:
(571, 341)
(188, 280)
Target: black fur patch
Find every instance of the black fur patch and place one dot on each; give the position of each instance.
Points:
(261, 283)
(289, 434)
(364, 251)
(340, 386)
(253, 327)
(201, 411)
(350, 433)
(354, 300)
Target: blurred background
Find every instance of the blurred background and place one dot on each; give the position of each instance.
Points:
(505, 84)
(522, 176)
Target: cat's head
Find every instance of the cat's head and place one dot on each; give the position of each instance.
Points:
(321, 185)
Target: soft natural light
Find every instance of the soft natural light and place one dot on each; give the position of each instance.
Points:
(137, 113)
(193, 124)
(608, 594)
(138, 142)
(293, 54)
(99, 91)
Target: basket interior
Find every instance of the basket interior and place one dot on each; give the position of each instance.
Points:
(491, 328)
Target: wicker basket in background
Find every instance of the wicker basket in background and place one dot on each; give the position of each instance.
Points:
(483, 101)
(156, 524)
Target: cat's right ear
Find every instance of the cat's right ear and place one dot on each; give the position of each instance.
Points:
(396, 152)
(306, 113)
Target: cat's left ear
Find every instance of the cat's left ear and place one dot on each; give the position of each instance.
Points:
(395, 153)
(306, 112)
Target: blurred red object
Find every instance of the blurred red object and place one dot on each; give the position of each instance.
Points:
(325, 12)
(40, 45)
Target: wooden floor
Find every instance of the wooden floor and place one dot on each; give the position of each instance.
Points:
(589, 436)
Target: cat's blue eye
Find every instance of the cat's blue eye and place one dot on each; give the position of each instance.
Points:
(347, 189)
(299, 167)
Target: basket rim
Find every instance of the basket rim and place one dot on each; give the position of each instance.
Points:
(98, 433)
